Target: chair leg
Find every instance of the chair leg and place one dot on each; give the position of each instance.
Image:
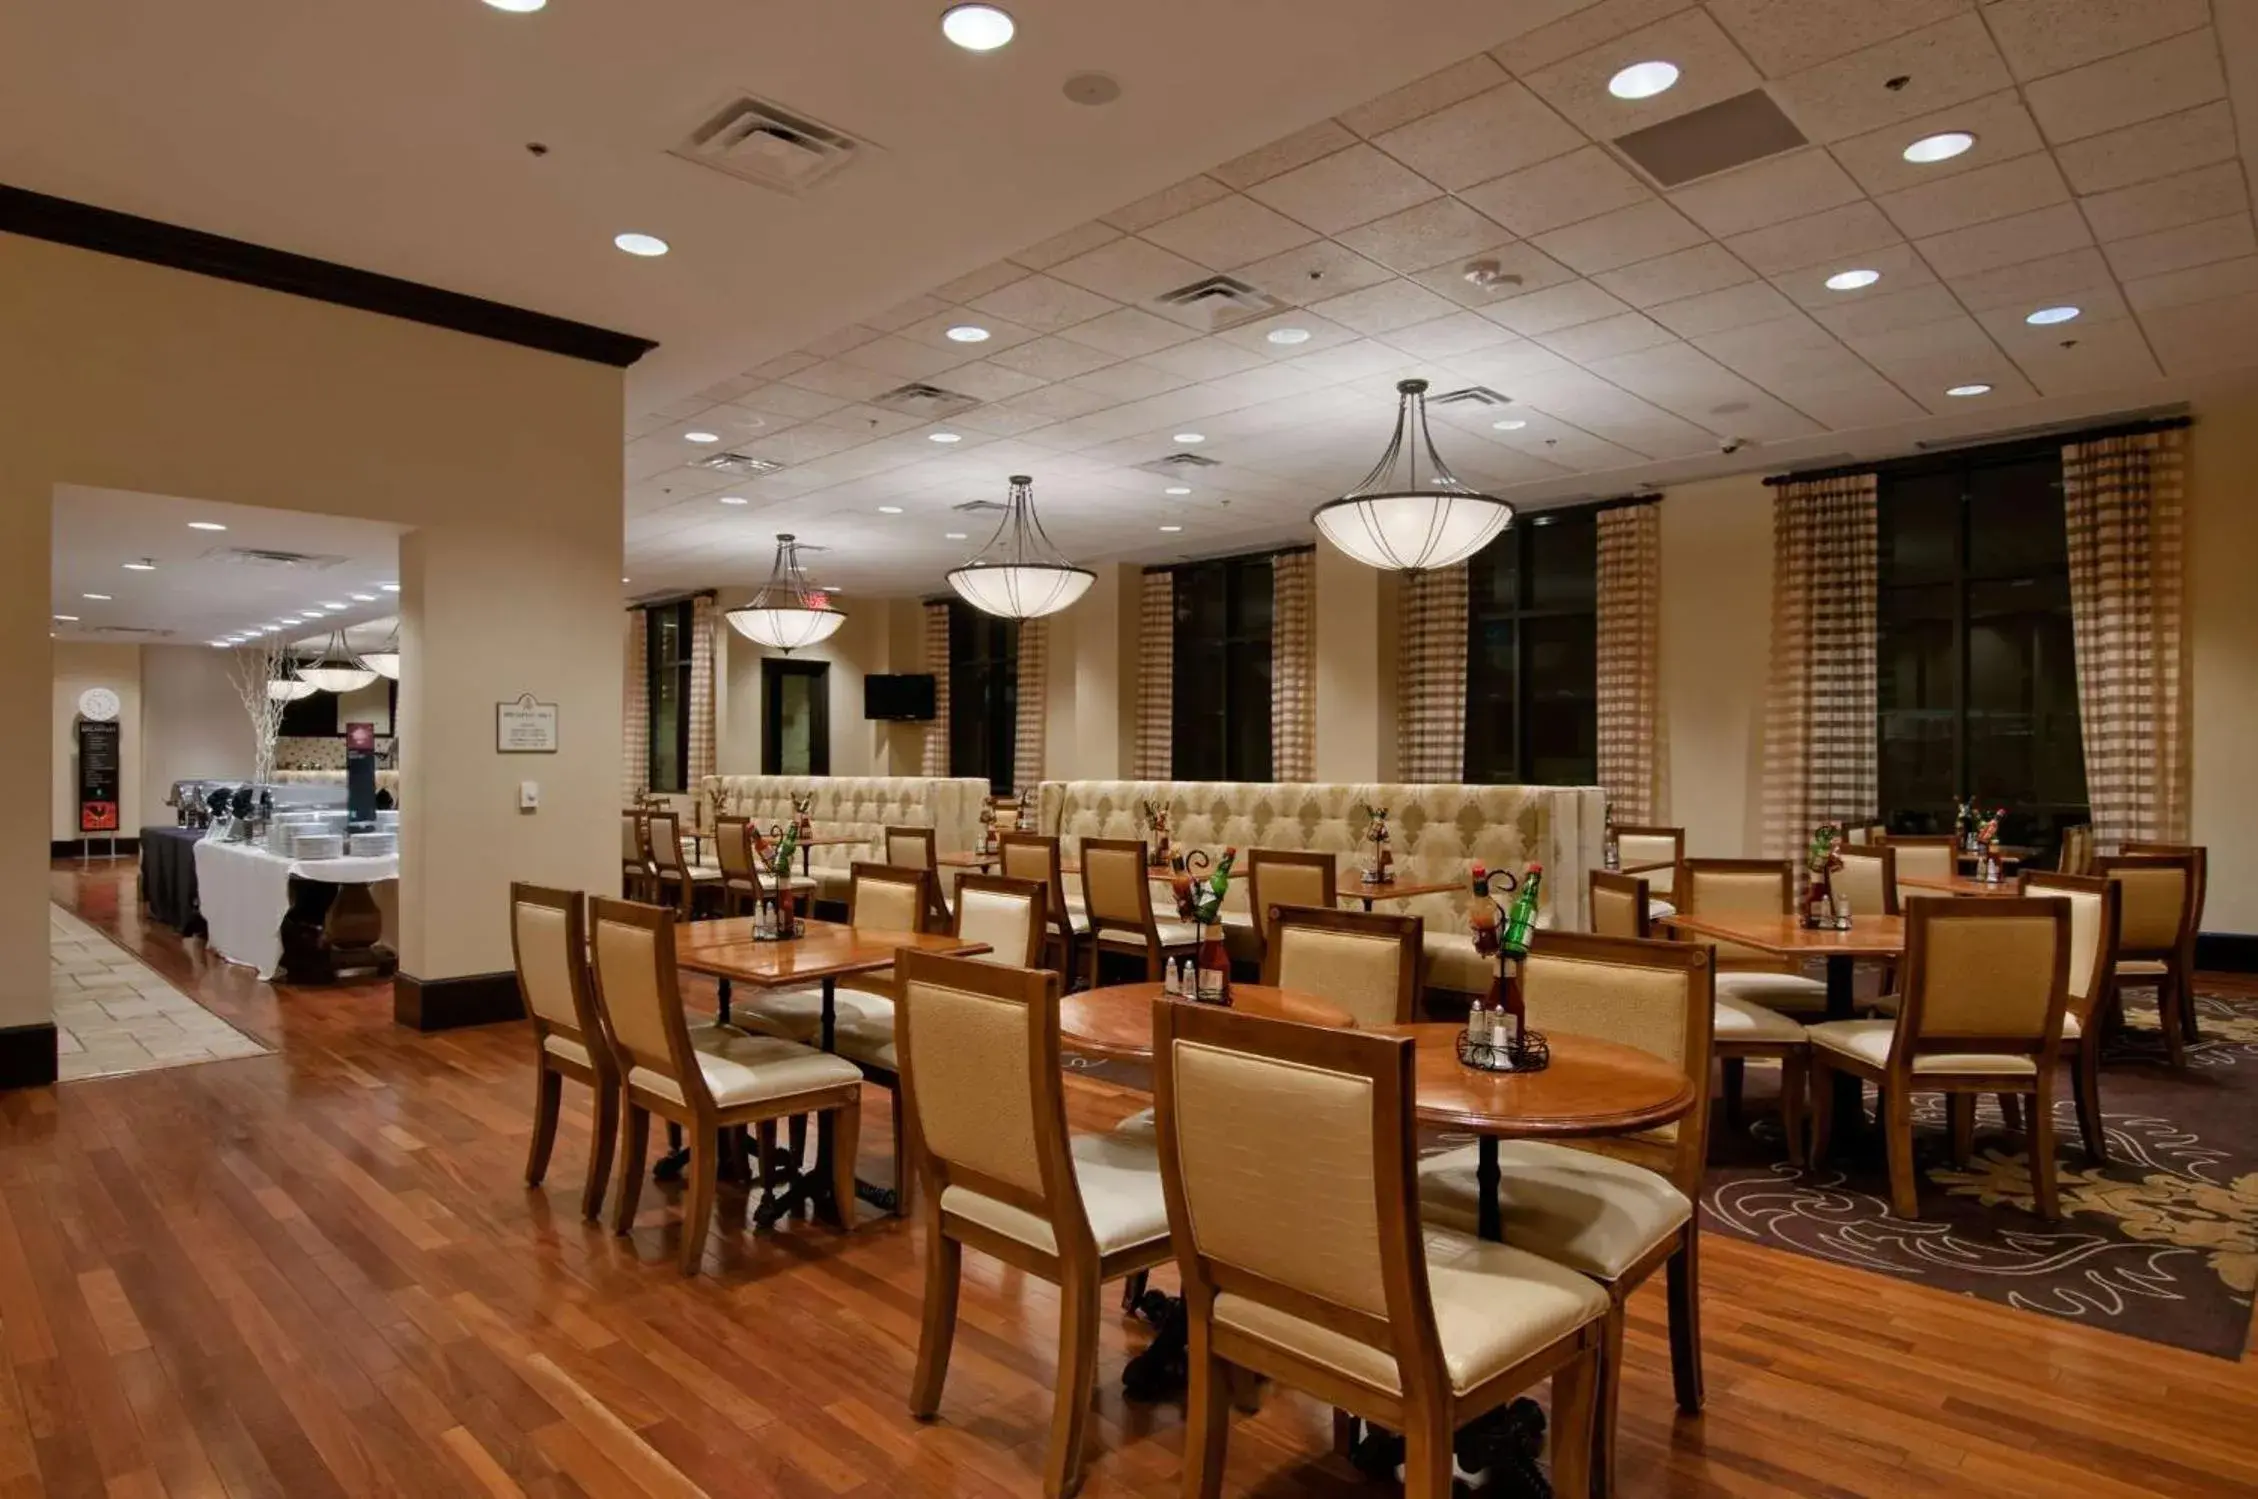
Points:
(846, 1139)
(600, 1149)
(1960, 1116)
(2011, 1110)
(1133, 1289)
(1897, 1128)
(548, 1091)
(2041, 1140)
(944, 1273)
(1207, 1419)
(904, 1177)
(764, 1140)
(1736, 1075)
(1077, 1382)
(697, 1203)
(635, 1145)
(796, 1139)
(1094, 947)
(1578, 1439)
(1822, 1106)
(1607, 1387)
(2085, 1072)
(1795, 1089)
(1427, 1452)
(2168, 1016)
(2184, 982)
(1684, 1273)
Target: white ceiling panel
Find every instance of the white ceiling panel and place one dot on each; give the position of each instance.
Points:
(1443, 230)
(1790, 186)
(1477, 139)
(2005, 241)
(2156, 80)
(1565, 190)
(1476, 75)
(2179, 249)
(1170, 202)
(2039, 37)
(1720, 311)
(2154, 148)
(1711, 70)
(2206, 193)
(1838, 236)
(1231, 231)
(1789, 36)
(1943, 65)
(2003, 129)
(1640, 232)
(1999, 191)
(1345, 189)
(1579, 28)
(1670, 278)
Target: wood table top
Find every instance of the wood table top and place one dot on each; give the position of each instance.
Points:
(964, 859)
(1116, 1022)
(1958, 884)
(1592, 1087)
(1394, 889)
(726, 949)
(1868, 937)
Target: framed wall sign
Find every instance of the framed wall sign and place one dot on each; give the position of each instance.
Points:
(525, 727)
(98, 775)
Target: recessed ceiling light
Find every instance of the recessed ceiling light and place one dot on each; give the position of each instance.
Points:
(1643, 80)
(1977, 389)
(734, 499)
(99, 598)
(219, 645)
(1510, 424)
(1852, 280)
(943, 437)
(364, 598)
(1189, 437)
(953, 536)
(701, 437)
(143, 566)
(1942, 147)
(518, 7)
(1178, 489)
(2046, 316)
(968, 333)
(205, 525)
(1172, 528)
(328, 604)
(627, 580)
(977, 28)
(889, 510)
(395, 588)
(334, 608)
(646, 245)
(1289, 335)
(68, 619)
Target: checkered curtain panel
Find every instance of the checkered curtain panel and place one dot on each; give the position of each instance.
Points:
(936, 761)
(2123, 499)
(1293, 724)
(1630, 578)
(635, 711)
(705, 653)
(1156, 677)
(1431, 680)
(1819, 711)
(1034, 704)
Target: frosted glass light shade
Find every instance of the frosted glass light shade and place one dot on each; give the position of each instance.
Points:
(289, 690)
(782, 628)
(383, 663)
(1407, 532)
(1020, 590)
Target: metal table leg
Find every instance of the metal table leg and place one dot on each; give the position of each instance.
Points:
(1489, 1220)
(1850, 1094)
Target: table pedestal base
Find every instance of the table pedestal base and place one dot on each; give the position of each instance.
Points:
(1502, 1447)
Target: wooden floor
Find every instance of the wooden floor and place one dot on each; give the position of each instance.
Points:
(320, 1273)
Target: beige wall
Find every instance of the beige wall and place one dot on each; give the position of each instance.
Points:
(2222, 627)
(1357, 611)
(1716, 632)
(192, 723)
(863, 646)
(504, 461)
(79, 665)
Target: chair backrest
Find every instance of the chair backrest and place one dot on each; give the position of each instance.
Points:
(1660, 997)
(910, 848)
(1983, 976)
(1032, 856)
(2155, 893)
(666, 842)
(1636, 847)
(2202, 857)
(1925, 856)
(1367, 962)
(2076, 856)
(2094, 924)
(639, 996)
(634, 852)
(1117, 885)
(1286, 1153)
(1288, 877)
(980, 1079)
(1619, 905)
(733, 850)
(1736, 887)
(549, 942)
(1868, 879)
(1006, 914)
(888, 898)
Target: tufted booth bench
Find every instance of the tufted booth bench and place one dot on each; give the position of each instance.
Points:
(860, 807)
(1437, 831)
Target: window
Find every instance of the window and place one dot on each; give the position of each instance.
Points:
(1221, 710)
(666, 644)
(983, 696)
(1532, 654)
(1976, 674)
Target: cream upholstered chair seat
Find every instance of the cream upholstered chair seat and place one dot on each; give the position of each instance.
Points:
(2146, 968)
(1494, 1306)
(1172, 934)
(1121, 1194)
(741, 1069)
(1588, 1212)
(1740, 1019)
(568, 1048)
(1869, 1042)
(1791, 992)
(797, 1015)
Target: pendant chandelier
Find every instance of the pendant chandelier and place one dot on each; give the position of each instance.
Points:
(337, 669)
(282, 687)
(385, 659)
(788, 613)
(1020, 574)
(1403, 521)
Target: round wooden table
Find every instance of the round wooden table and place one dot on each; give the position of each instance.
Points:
(1116, 1022)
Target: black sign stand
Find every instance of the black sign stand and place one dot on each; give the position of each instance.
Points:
(97, 784)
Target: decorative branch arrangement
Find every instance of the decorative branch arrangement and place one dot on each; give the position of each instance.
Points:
(251, 668)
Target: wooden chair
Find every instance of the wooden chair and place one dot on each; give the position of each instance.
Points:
(1620, 1215)
(1752, 887)
(2201, 888)
(1868, 879)
(1367, 962)
(1924, 856)
(1032, 856)
(1288, 1154)
(743, 883)
(729, 1081)
(912, 848)
(1287, 877)
(2094, 928)
(2156, 945)
(998, 1173)
(1862, 832)
(2076, 853)
(671, 869)
(549, 942)
(638, 879)
(1986, 987)
(1117, 895)
(1638, 848)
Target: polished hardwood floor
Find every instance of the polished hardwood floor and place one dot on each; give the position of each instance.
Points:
(320, 1274)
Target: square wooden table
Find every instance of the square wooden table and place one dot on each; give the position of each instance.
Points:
(1958, 884)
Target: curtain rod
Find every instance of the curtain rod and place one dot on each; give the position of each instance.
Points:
(2033, 444)
(666, 599)
(1263, 555)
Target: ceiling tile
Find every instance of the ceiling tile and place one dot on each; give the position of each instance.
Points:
(1382, 308)
(1763, 193)
(1524, 268)
(1229, 232)
(1721, 311)
(791, 401)
(1051, 359)
(1559, 307)
(2169, 202)
(1680, 378)
(2006, 241)
(1311, 273)
(1956, 337)
(1999, 191)
(2202, 283)
(1042, 302)
(1129, 270)
(1932, 303)
(985, 380)
(1280, 156)
(1900, 267)
(1834, 236)
(1555, 193)
(2105, 356)
(975, 284)
(1667, 278)
(1057, 402)
(1368, 358)
(839, 341)
(1345, 189)
(2031, 284)
(1640, 232)
(2039, 37)
(2159, 79)
(1001, 421)
(1591, 25)
(2003, 128)
(1459, 332)
(1946, 63)
(2178, 249)
(785, 364)
(901, 357)
(1204, 359)
(1476, 75)
(1871, 402)
(846, 381)
(1624, 333)
(1711, 70)
(2192, 138)
(1483, 137)
(2204, 336)
(899, 316)
(1128, 332)
(1168, 203)
(1323, 333)
(1002, 333)
(1251, 387)
(1075, 241)
(1121, 382)
(1431, 234)
(1927, 380)
(2097, 305)
(1788, 36)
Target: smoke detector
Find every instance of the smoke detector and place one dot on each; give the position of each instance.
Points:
(1488, 275)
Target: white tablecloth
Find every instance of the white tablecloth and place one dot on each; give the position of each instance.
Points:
(245, 891)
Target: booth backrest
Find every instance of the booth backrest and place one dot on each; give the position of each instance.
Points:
(861, 807)
(1436, 830)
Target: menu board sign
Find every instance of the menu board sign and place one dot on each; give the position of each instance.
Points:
(97, 776)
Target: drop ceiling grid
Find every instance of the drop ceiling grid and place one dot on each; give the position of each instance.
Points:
(1648, 325)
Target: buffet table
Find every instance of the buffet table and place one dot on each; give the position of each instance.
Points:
(168, 877)
(253, 915)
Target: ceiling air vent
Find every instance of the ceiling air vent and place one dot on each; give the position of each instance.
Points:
(1178, 463)
(1730, 133)
(1472, 395)
(270, 557)
(770, 147)
(1219, 302)
(979, 507)
(739, 464)
(928, 403)
(131, 632)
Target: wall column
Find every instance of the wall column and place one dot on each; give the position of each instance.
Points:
(27, 1014)
(1104, 652)
(1358, 612)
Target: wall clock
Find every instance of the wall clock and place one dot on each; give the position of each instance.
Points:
(99, 704)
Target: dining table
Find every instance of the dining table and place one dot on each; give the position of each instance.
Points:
(1956, 884)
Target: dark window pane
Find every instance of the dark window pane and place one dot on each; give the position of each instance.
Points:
(1493, 695)
(1560, 654)
(667, 641)
(1919, 529)
(1532, 708)
(1221, 692)
(1563, 569)
(2016, 525)
(983, 725)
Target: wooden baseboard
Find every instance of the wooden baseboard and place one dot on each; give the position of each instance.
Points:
(97, 846)
(27, 1055)
(444, 1004)
(2227, 952)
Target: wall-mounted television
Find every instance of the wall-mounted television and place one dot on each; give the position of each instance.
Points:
(900, 699)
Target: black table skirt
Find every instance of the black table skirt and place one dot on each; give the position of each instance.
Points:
(168, 878)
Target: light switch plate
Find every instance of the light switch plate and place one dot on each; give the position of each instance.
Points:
(529, 796)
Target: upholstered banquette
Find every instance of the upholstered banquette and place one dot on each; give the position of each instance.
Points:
(1437, 832)
(857, 807)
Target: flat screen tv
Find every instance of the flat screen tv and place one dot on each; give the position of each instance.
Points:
(901, 699)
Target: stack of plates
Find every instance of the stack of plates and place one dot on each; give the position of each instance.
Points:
(387, 817)
(319, 846)
(374, 845)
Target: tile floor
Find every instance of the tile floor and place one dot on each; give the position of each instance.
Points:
(114, 1014)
